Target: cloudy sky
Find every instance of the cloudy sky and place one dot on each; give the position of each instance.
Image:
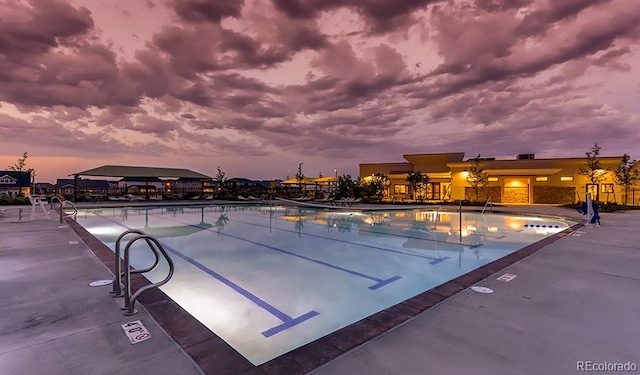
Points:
(258, 86)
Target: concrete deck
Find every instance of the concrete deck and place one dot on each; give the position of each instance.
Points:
(576, 299)
(53, 322)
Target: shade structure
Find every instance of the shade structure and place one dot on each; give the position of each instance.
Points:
(326, 180)
(294, 181)
(142, 172)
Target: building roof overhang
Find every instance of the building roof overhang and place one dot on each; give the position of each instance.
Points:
(429, 174)
(522, 171)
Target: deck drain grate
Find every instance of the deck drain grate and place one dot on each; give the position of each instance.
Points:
(101, 282)
(481, 289)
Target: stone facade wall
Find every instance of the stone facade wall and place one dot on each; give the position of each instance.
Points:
(554, 194)
(494, 191)
(516, 195)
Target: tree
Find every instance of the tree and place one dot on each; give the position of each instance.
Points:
(592, 168)
(377, 185)
(625, 175)
(478, 178)
(345, 185)
(21, 166)
(220, 176)
(417, 180)
(357, 188)
(221, 179)
(300, 176)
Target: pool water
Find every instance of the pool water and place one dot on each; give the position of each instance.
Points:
(270, 279)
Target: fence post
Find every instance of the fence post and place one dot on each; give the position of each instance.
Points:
(460, 220)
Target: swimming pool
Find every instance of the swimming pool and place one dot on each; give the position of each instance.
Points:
(270, 279)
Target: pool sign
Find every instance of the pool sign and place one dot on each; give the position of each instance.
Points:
(136, 331)
(507, 277)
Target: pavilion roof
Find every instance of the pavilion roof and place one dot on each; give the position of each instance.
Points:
(140, 172)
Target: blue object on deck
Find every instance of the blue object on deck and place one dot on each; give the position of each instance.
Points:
(595, 219)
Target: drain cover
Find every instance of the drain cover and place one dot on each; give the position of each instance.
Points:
(481, 289)
(101, 282)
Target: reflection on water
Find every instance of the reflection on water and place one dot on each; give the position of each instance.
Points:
(271, 266)
(221, 221)
(430, 230)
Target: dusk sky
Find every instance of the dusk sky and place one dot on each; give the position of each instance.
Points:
(259, 86)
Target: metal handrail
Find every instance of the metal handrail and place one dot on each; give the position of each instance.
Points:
(73, 206)
(55, 197)
(62, 204)
(489, 203)
(130, 300)
(117, 289)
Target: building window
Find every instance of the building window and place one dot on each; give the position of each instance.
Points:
(433, 190)
(401, 189)
(606, 188)
(566, 178)
(542, 179)
(492, 179)
(7, 180)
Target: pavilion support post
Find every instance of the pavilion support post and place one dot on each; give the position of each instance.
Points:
(75, 187)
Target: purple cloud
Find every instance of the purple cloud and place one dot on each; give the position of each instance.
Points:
(316, 78)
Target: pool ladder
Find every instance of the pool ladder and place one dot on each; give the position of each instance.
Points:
(123, 274)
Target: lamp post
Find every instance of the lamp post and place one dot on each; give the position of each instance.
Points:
(336, 172)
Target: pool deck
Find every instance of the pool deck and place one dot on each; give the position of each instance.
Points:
(575, 299)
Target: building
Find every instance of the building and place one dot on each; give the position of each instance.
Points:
(15, 184)
(86, 187)
(240, 183)
(140, 185)
(523, 179)
(44, 188)
(190, 185)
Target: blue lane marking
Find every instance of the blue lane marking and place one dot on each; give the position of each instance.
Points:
(438, 260)
(288, 321)
(384, 282)
(286, 325)
(352, 272)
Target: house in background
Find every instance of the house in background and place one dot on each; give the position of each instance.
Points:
(140, 185)
(44, 188)
(15, 184)
(240, 183)
(522, 180)
(186, 185)
(86, 187)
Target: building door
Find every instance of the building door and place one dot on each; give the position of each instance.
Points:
(515, 190)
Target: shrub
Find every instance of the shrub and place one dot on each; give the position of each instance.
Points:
(6, 200)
